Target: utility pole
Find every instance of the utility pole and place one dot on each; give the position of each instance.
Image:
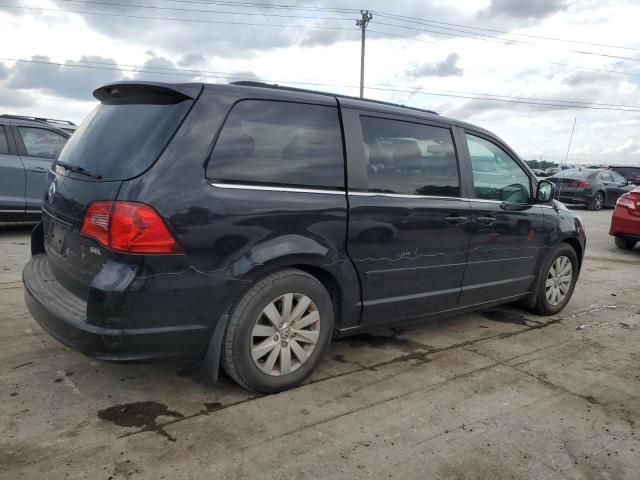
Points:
(362, 23)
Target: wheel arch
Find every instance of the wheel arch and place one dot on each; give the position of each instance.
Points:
(338, 278)
(575, 244)
(330, 283)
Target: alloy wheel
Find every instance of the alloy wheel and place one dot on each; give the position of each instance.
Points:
(598, 202)
(559, 280)
(285, 334)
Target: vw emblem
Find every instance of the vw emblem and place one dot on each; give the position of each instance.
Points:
(52, 192)
(285, 332)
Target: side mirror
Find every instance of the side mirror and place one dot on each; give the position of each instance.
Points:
(546, 191)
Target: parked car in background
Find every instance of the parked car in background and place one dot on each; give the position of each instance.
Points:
(28, 146)
(551, 171)
(227, 224)
(540, 173)
(630, 172)
(65, 125)
(625, 221)
(594, 188)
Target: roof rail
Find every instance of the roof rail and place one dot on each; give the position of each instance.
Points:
(275, 86)
(37, 119)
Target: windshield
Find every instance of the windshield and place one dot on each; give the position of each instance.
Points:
(118, 142)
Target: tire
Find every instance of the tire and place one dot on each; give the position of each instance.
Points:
(597, 202)
(625, 244)
(247, 334)
(544, 305)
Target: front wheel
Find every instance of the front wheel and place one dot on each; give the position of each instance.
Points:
(625, 244)
(278, 332)
(557, 281)
(597, 202)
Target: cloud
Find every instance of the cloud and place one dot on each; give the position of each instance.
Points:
(627, 147)
(71, 80)
(161, 69)
(4, 71)
(228, 30)
(522, 9)
(319, 37)
(191, 59)
(586, 78)
(15, 99)
(445, 68)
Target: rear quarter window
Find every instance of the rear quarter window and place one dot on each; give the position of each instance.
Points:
(266, 142)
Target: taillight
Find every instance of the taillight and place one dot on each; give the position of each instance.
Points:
(96, 221)
(629, 202)
(579, 184)
(128, 227)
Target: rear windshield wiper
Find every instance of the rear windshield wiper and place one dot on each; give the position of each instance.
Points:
(80, 170)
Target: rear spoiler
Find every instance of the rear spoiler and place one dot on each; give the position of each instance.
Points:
(146, 92)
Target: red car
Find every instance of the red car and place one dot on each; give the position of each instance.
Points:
(625, 222)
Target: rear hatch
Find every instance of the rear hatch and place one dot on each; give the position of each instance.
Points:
(119, 140)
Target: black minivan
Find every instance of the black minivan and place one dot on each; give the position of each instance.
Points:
(249, 224)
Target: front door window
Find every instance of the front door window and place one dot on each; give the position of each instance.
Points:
(497, 176)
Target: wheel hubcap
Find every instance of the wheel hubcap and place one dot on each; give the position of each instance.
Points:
(559, 280)
(599, 201)
(285, 334)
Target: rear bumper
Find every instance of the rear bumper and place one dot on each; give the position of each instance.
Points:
(625, 225)
(63, 316)
(574, 198)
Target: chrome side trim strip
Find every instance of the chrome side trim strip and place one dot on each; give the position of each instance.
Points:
(267, 188)
(401, 195)
(273, 188)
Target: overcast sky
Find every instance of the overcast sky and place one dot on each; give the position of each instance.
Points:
(422, 46)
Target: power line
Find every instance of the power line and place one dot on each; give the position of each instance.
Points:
(219, 74)
(604, 70)
(313, 27)
(309, 8)
(541, 37)
(510, 42)
(466, 95)
(403, 18)
(489, 38)
(191, 20)
(196, 10)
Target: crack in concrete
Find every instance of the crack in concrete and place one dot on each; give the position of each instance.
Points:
(420, 355)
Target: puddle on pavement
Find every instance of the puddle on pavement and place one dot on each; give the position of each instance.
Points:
(390, 341)
(339, 358)
(212, 407)
(505, 317)
(142, 415)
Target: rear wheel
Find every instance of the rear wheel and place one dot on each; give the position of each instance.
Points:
(597, 202)
(625, 244)
(278, 332)
(557, 281)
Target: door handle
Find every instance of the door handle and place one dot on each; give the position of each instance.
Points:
(488, 221)
(38, 170)
(456, 219)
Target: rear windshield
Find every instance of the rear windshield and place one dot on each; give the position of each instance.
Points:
(120, 141)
